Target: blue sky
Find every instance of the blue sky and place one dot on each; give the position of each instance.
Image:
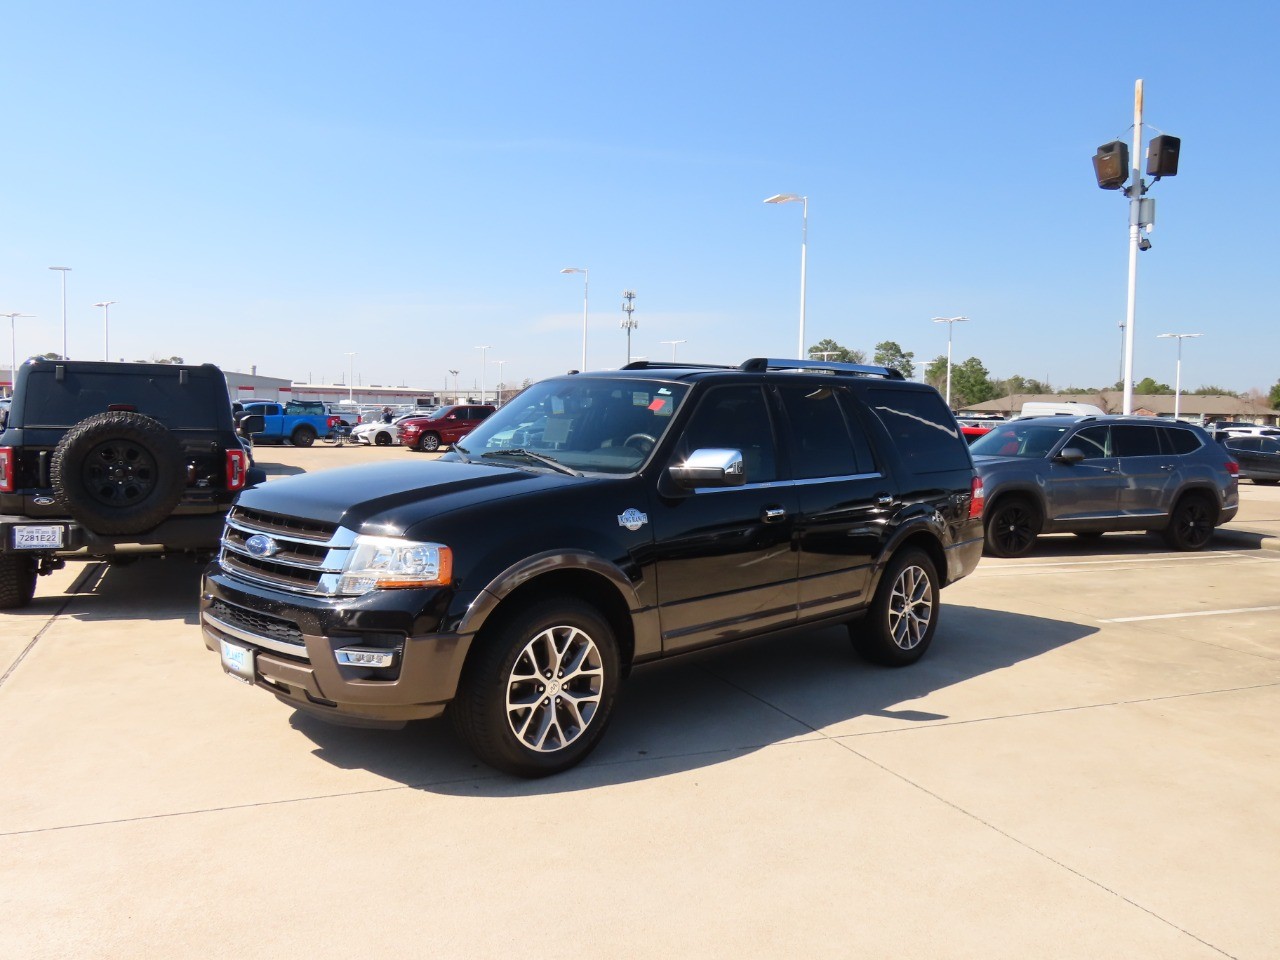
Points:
(280, 184)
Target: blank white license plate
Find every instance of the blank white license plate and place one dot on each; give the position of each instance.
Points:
(237, 661)
(40, 537)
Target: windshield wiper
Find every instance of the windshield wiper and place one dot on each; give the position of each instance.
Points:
(462, 452)
(551, 462)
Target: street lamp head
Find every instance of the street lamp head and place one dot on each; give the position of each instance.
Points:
(785, 198)
(950, 319)
(1179, 336)
(574, 270)
(59, 268)
(106, 303)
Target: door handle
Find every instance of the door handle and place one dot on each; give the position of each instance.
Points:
(1110, 470)
(773, 514)
(883, 499)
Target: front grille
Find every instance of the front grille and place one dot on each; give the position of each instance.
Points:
(302, 555)
(261, 522)
(260, 624)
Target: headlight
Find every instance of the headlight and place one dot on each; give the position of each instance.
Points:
(389, 563)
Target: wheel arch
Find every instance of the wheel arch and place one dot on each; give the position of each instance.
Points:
(919, 535)
(583, 576)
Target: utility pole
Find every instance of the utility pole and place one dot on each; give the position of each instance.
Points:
(629, 323)
(1135, 191)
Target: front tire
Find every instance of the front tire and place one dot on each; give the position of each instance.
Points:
(429, 443)
(1012, 528)
(900, 624)
(1190, 523)
(540, 688)
(17, 581)
(382, 439)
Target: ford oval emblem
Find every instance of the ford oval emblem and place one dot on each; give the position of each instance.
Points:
(261, 546)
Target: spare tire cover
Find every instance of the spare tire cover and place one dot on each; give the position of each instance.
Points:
(119, 472)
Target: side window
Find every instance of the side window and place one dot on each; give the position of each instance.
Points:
(1094, 442)
(1181, 441)
(820, 441)
(734, 418)
(923, 430)
(1270, 446)
(1132, 440)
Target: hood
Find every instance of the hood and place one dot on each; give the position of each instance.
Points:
(393, 496)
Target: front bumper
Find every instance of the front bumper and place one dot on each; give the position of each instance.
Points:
(296, 642)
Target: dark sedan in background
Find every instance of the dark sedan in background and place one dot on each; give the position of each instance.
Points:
(1259, 457)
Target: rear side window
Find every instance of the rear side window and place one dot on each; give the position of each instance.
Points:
(49, 402)
(923, 430)
(1131, 440)
(821, 443)
(1181, 441)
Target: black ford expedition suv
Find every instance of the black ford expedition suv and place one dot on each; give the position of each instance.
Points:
(115, 461)
(594, 522)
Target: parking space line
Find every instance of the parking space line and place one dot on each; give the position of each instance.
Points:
(1166, 558)
(1196, 613)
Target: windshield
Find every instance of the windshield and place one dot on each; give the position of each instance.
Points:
(1014, 439)
(596, 425)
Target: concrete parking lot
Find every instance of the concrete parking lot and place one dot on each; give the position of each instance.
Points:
(1083, 766)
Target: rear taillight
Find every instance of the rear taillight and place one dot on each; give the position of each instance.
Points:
(237, 469)
(977, 498)
(6, 469)
(1233, 468)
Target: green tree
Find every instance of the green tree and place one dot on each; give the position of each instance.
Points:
(1147, 386)
(970, 381)
(890, 354)
(1020, 384)
(1275, 396)
(830, 350)
(1213, 391)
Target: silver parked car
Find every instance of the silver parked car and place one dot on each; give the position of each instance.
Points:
(1093, 474)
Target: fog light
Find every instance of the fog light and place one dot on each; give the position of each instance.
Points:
(366, 657)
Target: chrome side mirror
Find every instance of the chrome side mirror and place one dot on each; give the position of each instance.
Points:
(710, 467)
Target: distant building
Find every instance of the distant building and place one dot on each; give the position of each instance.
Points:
(1193, 407)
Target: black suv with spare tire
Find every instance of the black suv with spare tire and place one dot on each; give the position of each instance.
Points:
(113, 461)
(597, 521)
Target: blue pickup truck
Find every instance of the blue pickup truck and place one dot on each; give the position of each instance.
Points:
(298, 421)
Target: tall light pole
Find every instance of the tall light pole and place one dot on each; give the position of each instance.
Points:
(64, 271)
(804, 247)
(585, 278)
(629, 324)
(106, 321)
(673, 347)
(13, 348)
(1177, 388)
(455, 385)
(498, 391)
(949, 321)
(351, 377)
(483, 353)
(1113, 165)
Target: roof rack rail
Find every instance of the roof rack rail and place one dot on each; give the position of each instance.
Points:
(674, 364)
(762, 364)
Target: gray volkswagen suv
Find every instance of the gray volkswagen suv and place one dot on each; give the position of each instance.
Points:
(1091, 475)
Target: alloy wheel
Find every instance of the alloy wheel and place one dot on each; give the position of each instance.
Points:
(554, 689)
(910, 607)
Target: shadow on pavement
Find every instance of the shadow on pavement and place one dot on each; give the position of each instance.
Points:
(149, 588)
(703, 709)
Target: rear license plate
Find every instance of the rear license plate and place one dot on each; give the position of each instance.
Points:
(238, 661)
(39, 537)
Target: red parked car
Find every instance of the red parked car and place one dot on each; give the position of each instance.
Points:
(446, 426)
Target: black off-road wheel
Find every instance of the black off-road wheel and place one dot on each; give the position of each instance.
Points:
(119, 472)
(1191, 523)
(429, 443)
(302, 436)
(17, 580)
(382, 438)
(539, 688)
(903, 616)
(1012, 527)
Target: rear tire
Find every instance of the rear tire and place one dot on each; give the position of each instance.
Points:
(303, 436)
(539, 688)
(17, 581)
(1012, 527)
(1265, 483)
(903, 616)
(1191, 523)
